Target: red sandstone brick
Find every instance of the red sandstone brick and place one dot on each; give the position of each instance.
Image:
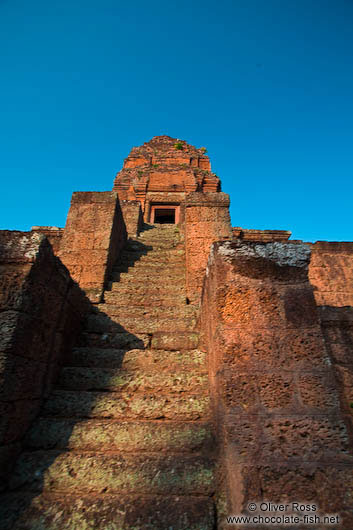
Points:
(95, 274)
(276, 391)
(271, 349)
(240, 391)
(319, 391)
(306, 438)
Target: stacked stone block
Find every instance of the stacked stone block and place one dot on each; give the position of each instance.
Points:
(125, 439)
(283, 432)
(41, 310)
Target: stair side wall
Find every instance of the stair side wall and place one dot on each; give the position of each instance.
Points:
(284, 433)
(207, 220)
(94, 234)
(133, 217)
(41, 310)
(331, 274)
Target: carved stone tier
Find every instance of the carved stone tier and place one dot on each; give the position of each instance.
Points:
(165, 165)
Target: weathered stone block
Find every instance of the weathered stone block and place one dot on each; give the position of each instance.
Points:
(23, 377)
(276, 390)
(304, 439)
(319, 391)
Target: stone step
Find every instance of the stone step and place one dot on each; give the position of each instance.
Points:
(153, 281)
(160, 340)
(138, 359)
(161, 229)
(110, 435)
(146, 289)
(141, 275)
(115, 320)
(155, 298)
(159, 232)
(165, 235)
(148, 311)
(108, 323)
(176, 255)
(151, 260)
(161, 226)
(184, 340)
(116, 379)
(123, 340)
(47, 511)
(144, 324)
(144, 252)
(159, 244)
(173, 254)
(126, 405)
(93, 472)
(148, 268)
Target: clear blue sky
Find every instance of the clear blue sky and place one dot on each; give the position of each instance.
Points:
(265, 85)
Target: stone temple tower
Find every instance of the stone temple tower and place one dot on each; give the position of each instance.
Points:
(172, 182)
(161, 370)
(160, 174)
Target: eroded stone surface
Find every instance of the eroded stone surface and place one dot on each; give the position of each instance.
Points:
(281, 417)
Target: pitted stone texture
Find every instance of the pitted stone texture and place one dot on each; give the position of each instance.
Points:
(329, 488)
(331, 273)
(302, 438)
(271, 349)
(278, 403)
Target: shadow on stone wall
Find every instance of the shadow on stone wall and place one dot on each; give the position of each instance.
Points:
(337, 328)
(51, 465)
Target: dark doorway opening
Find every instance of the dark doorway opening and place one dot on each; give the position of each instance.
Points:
(164, 216)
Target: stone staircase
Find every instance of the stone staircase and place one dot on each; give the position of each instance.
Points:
(124, 440)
